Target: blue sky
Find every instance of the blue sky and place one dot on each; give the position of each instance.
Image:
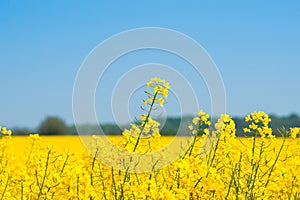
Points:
(255, 45)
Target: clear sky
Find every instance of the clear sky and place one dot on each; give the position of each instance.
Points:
(255, 45)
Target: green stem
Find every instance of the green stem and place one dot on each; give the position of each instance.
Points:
(190, 149)
(45, 174)
(65, 163)
(31, 148)
(255, 168)
(93, 165)
(230, 183)
(253, 148)
(6, 184)
(276, 159)
(214, 155)
(114, 183)
(146, 120)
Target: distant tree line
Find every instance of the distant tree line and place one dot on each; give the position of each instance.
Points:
(171, 126)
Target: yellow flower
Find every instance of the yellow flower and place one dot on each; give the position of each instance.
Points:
(191, 127)
(208, 123)
(161, 101)
(248, 118)
(4, 130)
(246, 130)
(294, 132)
(9, 133)
(34, 137)
(155, 79)
(226, 118)
(143, 117)
(149, 84)
(205, 117)
(166, 85)
(156, 89)
(267, 130)
(164, 93)
(201, 112)
(196, 120)
(253, 126)
(206, 131)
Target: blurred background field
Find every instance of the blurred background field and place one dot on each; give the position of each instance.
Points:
(73, 144)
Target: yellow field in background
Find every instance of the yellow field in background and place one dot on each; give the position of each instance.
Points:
(74, 144)
(22, 144)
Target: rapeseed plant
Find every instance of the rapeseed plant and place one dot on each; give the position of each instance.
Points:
(258, 166)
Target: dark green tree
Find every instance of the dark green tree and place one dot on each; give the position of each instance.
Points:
(20, 131)
(53, 126)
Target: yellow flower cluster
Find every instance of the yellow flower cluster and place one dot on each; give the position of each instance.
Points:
(259, 124)
(148, 128)
(294, 132)
(200, 124)
(147, 134)
(4, 131)
(225, 125)
(160, 91)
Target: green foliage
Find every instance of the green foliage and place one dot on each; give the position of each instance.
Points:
(21, 131)
(171, 126)
(53, 126)
(90, 129)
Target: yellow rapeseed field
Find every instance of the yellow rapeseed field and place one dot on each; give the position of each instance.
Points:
(60, 167)
(209, 162)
